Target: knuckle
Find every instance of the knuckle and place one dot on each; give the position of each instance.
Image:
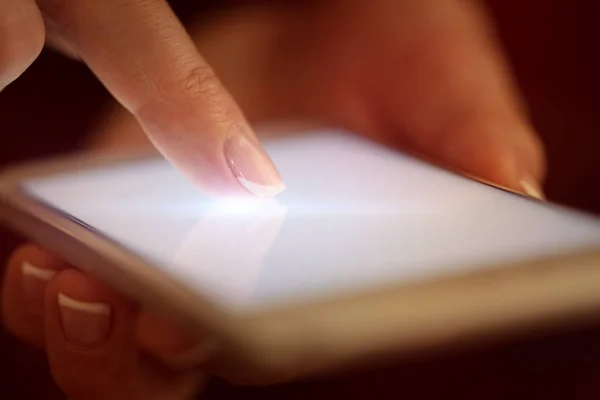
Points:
(195, 92)
(201, 85)
(199, 81)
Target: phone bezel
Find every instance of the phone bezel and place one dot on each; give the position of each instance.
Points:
(304, 339)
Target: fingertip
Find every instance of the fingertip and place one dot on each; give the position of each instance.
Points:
(252, 167)
(173, 345)
(83, 287)
(532, 188)
(528, 150)
(90, 337)
(92, 345)
(499, 150)
(29, 270)
(84, 314)
(532, 153)
(36, 255)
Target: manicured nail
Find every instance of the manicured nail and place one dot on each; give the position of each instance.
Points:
(84, 323)
(531, 188)
(35, 280)
(252, 167)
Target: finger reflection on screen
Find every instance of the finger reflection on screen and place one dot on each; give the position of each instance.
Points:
(226, 247)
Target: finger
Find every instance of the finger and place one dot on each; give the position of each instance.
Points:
(89, 335)
(28, 272)
(92, 347)
(431, 78)
(143, 55)
(454, 98)
(21, 38)
(170, 343)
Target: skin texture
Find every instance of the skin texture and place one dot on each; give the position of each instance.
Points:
(141, 52)
(421, 75)
(430, 79)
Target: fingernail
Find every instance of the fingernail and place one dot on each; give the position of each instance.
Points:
(35, 280)
(252, 167)
(84, 323)
(532, 188)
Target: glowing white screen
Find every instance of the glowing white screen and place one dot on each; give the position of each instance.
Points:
(354, 216)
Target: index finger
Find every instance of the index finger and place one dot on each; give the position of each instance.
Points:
(145, 58)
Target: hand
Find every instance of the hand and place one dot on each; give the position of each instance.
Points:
(427, 76)
(423, 75)
(144, 57)
(99, 344)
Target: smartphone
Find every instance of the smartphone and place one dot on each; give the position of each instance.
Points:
(369, 252)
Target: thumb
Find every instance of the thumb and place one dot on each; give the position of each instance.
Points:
(457, 102)
(444, 90)
(92, 347)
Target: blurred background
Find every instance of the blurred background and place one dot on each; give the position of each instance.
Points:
(554, 47)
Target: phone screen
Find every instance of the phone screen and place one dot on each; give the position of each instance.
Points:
(354, 216)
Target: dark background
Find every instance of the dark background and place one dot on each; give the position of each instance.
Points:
(555, 49)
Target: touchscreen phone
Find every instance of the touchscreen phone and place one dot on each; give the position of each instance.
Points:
(359, 230)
